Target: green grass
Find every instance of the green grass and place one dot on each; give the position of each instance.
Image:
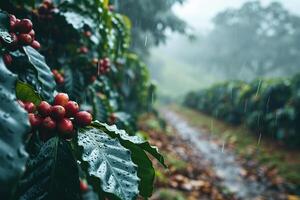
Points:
(246, 144)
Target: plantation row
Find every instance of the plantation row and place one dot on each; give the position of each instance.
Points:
(70, 95)
(270, 107)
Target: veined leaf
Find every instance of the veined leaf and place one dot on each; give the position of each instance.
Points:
(14, 125)
(113, 131)
(137, 146)
(4, 27)
(43, 72)
(109, 161)
(74, 83)
(25, 92)
(51, 174)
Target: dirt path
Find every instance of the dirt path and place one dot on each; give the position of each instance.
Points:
(223, 162)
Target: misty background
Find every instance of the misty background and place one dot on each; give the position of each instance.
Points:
(224, 40)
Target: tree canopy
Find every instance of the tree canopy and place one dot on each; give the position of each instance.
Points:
(254, 39)
(150, 21)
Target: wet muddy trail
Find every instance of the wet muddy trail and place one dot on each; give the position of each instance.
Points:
(223, 162)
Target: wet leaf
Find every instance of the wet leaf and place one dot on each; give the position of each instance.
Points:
(109, 161)
(14, 126)
(51, 174)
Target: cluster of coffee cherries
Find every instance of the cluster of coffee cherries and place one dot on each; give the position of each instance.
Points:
(46, 9)
(104, 66)
(60, 118)
(22, 34)
(59, 78)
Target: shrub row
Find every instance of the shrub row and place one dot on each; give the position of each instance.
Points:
(270, 107)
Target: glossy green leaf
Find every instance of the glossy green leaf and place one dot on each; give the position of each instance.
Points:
(109, 161)
(51, 174)
(113, 131)
(43, 72)
(14, 126)
(26, 92)
(74, 83)
(4, 27)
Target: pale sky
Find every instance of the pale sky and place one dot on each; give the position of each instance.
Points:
(198, 13)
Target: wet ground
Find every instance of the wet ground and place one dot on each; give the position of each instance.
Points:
(224, 164)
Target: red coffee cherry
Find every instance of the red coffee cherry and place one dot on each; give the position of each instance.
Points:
(83, 186)
(65, 127)
(57, 112)
(35, 44)
(71, 108)
(30, 107)
(25, 39)
(48, 3)
(88, 33)
(7, 59)
(61, 99)
(12, 20)
(59, 79)
(83, 118)
(24, 26)
(44, 109)
(34, 120)
(112, 118)
(49, 124)
(83, 50)
(32, 33)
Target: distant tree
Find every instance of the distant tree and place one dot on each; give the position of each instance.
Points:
(255, 39)
(151, 19)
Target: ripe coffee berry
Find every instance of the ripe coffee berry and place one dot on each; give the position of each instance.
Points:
(32, 33)
(71, 108)
(57, 112)
(30, 107)
(83, 118)
(34, 120)
(12, 20)
(25, 39)
(83, 50)
(88, 33)
(65, 127)
(35, 44)
(24, 26)
(112, 118)
(49, 124)
(61, 99)
(7, 59)
(44, 109)
(83, 186)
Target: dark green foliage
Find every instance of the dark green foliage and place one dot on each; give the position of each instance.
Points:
(51, 173)
(269, 107)
(14, 127)
(75, 37)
